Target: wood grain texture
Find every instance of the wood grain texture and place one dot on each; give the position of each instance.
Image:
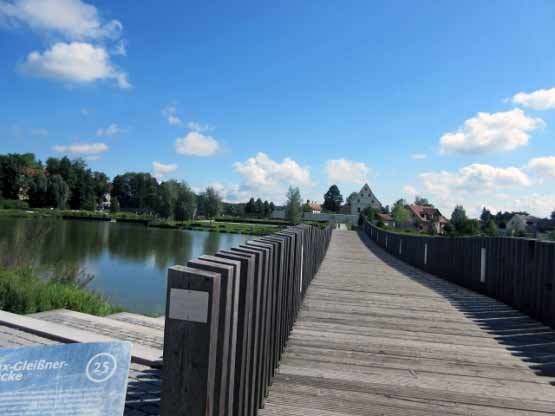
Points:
(378, 337)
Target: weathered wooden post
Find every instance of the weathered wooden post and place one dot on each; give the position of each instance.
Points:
(190, 342)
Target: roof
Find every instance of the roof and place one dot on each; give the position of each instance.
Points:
(384, 217)
(426, 213)
(314, 206)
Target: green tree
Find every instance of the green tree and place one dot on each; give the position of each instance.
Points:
(212, 203)
(249, 207)
(114, 205)
(491, 228)
(400, 214)
(293, 209)
(553, 215)
(101, 186)
(307, 207)
(185, 204)
(370, 213)
(259, 207)
(459, 218)
(168, 198)
(58, 192)
(333, 199)
(266, 209)
(15, 172)
(38, 190)
(486, 216)
(421, 201)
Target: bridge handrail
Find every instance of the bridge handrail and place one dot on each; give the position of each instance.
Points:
(518, 272)
(228, 319)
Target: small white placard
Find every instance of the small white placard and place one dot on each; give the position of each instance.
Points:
(189, 305)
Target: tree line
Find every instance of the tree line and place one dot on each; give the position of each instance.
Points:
(63, 183)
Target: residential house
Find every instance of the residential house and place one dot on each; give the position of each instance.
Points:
(314, 206)
(520, 223)
(427, 218)
(387, 219)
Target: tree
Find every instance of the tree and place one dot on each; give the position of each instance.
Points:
(259, 207)
(333, 199)
(421, 201)
(114, 205)
(491, 228)
(370, 213)
(400, 214)
(212, 203)
(185, 204)
(38, 191)
(58, 192)
(486, 216)
(307, 207)
(459, 218)
(266, 209)
(101, 186)
(553, 215)
(249, 207)
(293, 206)
(168, 198)
(15, 170)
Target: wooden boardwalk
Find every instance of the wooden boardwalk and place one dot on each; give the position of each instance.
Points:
(378, 337)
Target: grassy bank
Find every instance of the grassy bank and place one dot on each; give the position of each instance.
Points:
(22, 291)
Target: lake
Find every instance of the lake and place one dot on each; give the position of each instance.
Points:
(129, 261)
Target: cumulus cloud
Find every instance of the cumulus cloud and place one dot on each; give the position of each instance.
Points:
(473, 178)
(544, 166)
(410, 191)
(170, 114)
(418, 156)
(193, 125)
(486, 132)
(541, 205)
(346, 171)
(197, 144)
(73, 19)
(233, 193)
(260, 171)
(74, 62)
(112, 130)
(537, 100)
(161, 169)
(82, 148)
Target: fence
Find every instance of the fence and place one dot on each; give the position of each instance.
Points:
(518, 272)
(228, 318)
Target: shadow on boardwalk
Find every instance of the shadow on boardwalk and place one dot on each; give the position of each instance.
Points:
(531, 341)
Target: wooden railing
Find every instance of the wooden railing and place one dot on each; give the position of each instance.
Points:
(518, 272)
(228, 318)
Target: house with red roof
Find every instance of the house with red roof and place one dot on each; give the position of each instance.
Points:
(427, 218)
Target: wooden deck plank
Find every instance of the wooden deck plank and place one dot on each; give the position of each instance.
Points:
(378, 337)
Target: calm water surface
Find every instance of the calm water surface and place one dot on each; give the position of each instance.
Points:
(129, 261)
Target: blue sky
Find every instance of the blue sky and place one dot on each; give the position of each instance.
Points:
(454, 101)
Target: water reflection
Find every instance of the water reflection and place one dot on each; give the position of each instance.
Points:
(129, 261)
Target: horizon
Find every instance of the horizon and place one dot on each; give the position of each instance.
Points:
(451, 102)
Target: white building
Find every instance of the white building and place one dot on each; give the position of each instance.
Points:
(364, 199)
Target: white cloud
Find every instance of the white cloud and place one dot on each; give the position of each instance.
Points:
(196, 144)
(74, 19)
(343, 170)
(74, 62)
(170, 113)
(161, 169)
(541, 205)
(418, 156)
(410, 191)
(192, 125)
(503, 131)
(82, 148)
(120, 48)
(537, 100)
(544, 166)
(84, 112)
(110, 131)
(473, 178)
(233, 192)
(39, 132)
(261, 171)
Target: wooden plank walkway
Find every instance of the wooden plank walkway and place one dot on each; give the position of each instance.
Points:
(378, 337)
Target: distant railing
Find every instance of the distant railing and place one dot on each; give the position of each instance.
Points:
(518, 272)
(228, 319)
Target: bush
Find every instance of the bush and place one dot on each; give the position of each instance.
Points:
(23, 292)
(13, 204)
